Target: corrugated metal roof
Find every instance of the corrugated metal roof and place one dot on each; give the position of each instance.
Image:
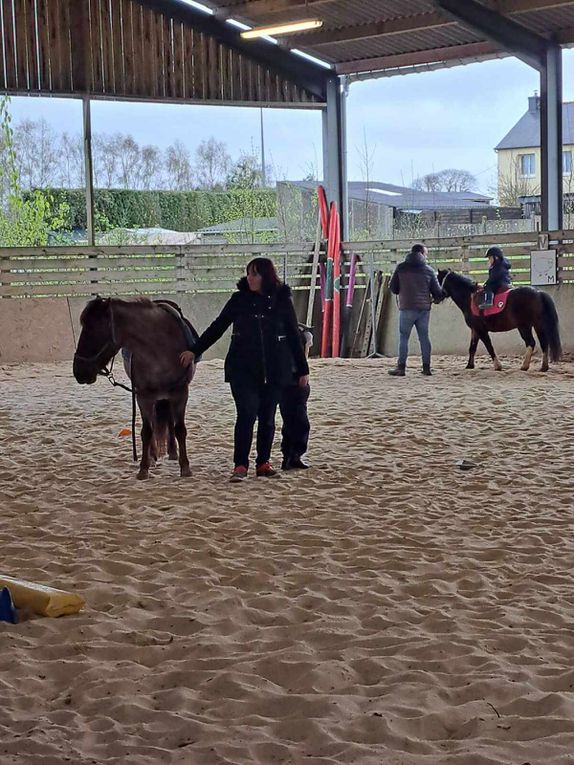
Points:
(404, 198)
(368, 31)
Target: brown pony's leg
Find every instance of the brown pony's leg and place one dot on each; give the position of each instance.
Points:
(528, 337)
(171, 442)
(543, 345)
(484, 336)
(472, 349)
(178, 407)
(146, 409)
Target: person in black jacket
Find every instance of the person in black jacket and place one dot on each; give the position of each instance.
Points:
(264, 347)
(416, 285)
(499, 278)
(293, 408)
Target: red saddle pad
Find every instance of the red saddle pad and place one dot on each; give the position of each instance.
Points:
(497, 307)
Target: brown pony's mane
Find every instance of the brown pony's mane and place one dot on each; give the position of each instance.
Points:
(97, 302)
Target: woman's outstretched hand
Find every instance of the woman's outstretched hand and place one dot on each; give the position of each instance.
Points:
(303, 381)
(186, 358)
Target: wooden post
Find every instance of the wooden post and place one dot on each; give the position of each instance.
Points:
(464, 260)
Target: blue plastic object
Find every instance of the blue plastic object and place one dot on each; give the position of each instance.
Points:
(7, 611)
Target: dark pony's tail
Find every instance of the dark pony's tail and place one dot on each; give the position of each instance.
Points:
(550, 326)
(162, 418)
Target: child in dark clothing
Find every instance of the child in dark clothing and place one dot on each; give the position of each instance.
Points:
(293, 408)
(499, 278)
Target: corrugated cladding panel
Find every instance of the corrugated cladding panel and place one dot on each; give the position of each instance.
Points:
(395, 44)
(344, 14)
(338, 13)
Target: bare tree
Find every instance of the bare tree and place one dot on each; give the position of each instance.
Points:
(105, 160)
(151, 167)
(366, 159)
(178, 170)
(37, 155)
(246, 172)
(129, 161)
(212, 163)
(450, 179)
(71, 163)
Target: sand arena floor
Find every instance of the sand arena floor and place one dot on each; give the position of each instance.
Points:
(384, 607)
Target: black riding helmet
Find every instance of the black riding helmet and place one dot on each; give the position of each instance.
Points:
(494, 252)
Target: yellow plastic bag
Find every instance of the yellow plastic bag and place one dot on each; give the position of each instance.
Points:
(46, 601)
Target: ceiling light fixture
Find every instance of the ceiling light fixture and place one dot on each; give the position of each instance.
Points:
(282, 29)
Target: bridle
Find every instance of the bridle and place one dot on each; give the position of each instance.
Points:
(448, 273)
(112, 345)
(109, 345)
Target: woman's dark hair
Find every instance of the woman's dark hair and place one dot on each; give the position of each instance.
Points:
(270, 281)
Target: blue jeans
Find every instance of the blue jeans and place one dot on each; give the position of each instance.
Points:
(407, 320)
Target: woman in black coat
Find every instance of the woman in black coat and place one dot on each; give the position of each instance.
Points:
(264, 345)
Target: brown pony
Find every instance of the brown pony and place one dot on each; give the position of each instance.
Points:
(526, 309)
(153, 338)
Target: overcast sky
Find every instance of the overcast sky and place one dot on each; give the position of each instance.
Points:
(413, 124)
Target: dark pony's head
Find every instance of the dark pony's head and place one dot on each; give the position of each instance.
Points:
(97, 343)
(454, 284)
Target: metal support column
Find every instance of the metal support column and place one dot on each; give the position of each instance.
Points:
(551, 139)
(88, 172)
(335, 149)
(545, 56)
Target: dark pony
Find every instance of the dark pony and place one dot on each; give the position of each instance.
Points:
(152, 338)
(526, 309)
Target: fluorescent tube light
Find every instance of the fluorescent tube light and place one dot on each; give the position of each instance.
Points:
(282, 29)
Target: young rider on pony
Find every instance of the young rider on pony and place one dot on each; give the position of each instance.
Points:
(498, 277)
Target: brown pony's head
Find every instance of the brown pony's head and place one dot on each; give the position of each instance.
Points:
(97, 343)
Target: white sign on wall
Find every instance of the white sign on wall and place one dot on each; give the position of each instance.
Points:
(542, 267)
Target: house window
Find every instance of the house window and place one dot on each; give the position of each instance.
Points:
(527, 165)
(566, 163)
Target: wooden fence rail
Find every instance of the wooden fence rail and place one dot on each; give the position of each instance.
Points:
(172, 269)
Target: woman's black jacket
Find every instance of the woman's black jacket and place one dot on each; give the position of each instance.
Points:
(265, 345)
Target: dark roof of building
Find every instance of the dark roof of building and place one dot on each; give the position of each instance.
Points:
(404, 198)
(242, 225)
(526, 132)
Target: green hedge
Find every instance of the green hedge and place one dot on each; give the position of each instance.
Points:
(176, 210)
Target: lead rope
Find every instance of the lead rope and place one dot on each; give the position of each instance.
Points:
(134, 444)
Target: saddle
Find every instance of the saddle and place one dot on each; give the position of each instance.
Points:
(498, 305)
(189, 332)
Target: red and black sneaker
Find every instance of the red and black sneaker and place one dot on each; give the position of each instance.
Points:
(239, 474)
(266, 470)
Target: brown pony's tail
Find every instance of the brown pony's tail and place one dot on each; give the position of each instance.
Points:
(162, 417)
(550, 326)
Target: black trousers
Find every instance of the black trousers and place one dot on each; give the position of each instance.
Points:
(254, 401)
(296, 426)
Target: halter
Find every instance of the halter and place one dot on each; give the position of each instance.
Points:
(448, 273)
(113, 343)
